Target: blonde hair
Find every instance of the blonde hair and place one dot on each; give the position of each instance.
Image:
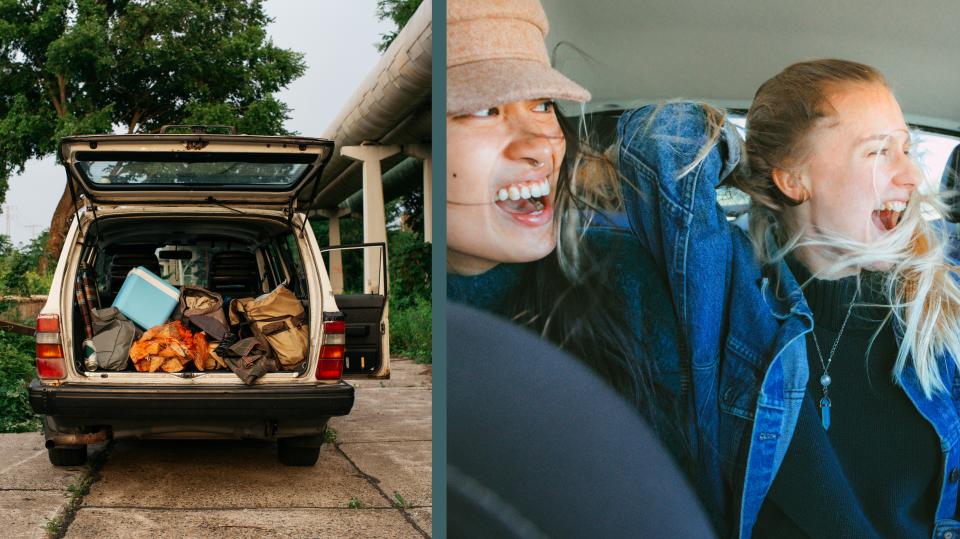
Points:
(921, 283)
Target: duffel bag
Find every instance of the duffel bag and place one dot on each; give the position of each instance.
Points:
(278, 320)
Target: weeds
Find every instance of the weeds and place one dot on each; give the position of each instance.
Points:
(356, 503)
(79, 488)
(399, 502)
(411, 329)
(16, 371)
(330, 435)
(53, 526)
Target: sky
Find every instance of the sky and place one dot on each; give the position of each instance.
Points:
(337, 38)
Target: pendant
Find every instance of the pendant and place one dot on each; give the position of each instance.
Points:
(825, 412)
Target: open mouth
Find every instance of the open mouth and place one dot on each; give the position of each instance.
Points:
(528, 202)
(888, 214)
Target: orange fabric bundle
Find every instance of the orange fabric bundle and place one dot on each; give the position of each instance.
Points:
(170, 347)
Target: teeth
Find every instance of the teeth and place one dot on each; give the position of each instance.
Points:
(523, 190)
(893, 206)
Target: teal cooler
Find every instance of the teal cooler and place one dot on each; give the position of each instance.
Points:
(146, 299)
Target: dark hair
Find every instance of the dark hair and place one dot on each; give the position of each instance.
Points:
(586, 314)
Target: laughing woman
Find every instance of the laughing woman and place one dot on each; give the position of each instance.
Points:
(515, 243)
(824, 341)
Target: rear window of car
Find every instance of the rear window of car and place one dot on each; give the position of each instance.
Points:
(221, 170)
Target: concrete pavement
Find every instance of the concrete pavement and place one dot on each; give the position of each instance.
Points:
(374, 481)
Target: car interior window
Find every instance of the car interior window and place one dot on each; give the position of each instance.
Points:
(289, 251)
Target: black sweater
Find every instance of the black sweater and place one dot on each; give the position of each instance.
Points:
(875, 472)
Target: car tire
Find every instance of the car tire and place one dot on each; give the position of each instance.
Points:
(293, 453)
(71, 455)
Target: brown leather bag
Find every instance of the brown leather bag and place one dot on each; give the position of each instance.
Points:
(278, 320)
(250, 360)
(203, 309)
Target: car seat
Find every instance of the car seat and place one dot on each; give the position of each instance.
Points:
(121, 260)
(234, 274)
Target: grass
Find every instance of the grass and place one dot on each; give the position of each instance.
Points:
(53, 526)
(355, 503)
(330, 435)
(411, 329)
(16, 371)
(399, 502)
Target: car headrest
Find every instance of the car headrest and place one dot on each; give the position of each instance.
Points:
(951, 182)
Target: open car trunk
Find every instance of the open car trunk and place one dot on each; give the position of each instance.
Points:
(235, 256)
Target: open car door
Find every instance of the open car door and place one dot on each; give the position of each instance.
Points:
(360, 289)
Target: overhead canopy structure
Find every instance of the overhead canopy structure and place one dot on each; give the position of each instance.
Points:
(627, 52)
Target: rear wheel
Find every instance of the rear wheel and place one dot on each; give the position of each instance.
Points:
(68, 455)
(300, 451)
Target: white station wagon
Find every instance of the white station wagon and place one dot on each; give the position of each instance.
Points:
(223, 212)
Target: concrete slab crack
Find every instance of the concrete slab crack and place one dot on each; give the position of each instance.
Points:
(375, 483)
(10, 489)
(57, 528)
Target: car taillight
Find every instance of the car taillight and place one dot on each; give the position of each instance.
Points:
(50, 364)
(330, 364)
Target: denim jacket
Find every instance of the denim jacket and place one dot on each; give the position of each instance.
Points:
(742, 327)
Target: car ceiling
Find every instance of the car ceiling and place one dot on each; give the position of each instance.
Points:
(628, 52)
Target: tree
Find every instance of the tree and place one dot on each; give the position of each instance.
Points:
(398, 11)
(92, 66)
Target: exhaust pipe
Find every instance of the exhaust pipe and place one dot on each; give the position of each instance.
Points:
(65, 438)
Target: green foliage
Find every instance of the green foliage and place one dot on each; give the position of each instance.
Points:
(355, 503)
(19, 273)
(410, 263)
(53, 526)
(330, 435)
(398, 11)
(411, 329)
(84, 66)
(398, 501)
(407, 210)
(18, 277)
(16, 371)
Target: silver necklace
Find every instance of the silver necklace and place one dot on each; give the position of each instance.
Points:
(825, 378)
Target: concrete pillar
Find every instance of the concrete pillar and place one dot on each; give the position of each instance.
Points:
(374, 224)
(423, 152)
(336, 260)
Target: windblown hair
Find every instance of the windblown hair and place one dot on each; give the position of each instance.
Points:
(921, 283)
(574, 304)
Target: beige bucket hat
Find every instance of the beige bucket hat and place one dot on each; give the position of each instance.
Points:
(496, 55)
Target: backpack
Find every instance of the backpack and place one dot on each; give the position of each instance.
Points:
(113, 334)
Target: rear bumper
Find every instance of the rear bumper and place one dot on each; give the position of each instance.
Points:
(104, 404)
